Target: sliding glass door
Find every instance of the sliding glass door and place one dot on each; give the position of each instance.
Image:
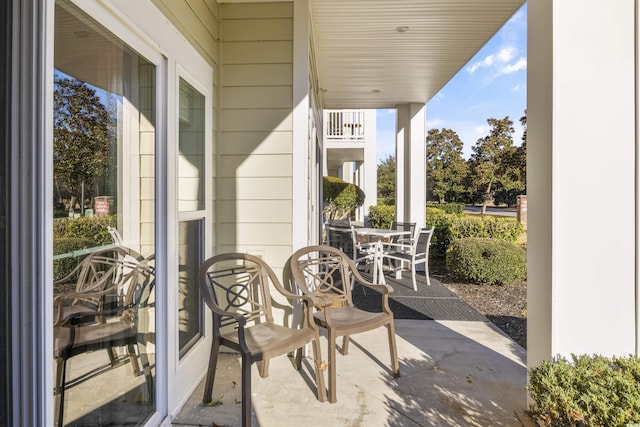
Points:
(104, 143)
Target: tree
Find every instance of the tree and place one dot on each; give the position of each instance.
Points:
(446, 168)
(492, 161)
(80, 137)
(515, 170)
(387, 180)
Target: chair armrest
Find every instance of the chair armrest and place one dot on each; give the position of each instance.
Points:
(379, 287)
(397, 246)
(240, 319)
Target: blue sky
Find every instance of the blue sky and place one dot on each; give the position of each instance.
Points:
(493, 84)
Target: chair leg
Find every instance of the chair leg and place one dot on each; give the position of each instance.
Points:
(62, 382)
(426, 271)
(297, 361)
(413, 277)
(345, 345)
(263, 368)
(133, 358)
(246, 390)
(317, 361)
(211, 372)
(146, 369)
(331, 354)
(395, 367)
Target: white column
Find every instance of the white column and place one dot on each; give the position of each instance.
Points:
(410, 164)
(300, 160)
(581, 178)
(370, 179)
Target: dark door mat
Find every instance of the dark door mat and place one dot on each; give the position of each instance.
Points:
(435, 302)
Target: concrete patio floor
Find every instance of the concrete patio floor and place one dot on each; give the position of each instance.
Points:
(453, 373)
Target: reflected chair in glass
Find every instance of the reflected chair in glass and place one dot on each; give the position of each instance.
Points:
(326, 273)
(115, 324)
(414, 253)
(237, 288)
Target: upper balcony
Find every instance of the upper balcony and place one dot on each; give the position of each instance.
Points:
(344, 125)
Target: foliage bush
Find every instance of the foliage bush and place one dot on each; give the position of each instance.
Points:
(486, 261)
(381, 216)
(586, 391)
(64, 266)
(94, 228)
(442, 223)
(340, 197)
(449, 227)
(449, 207)
(72, 234)
(486, 226)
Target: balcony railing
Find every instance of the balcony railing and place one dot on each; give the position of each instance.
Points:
(344, 125)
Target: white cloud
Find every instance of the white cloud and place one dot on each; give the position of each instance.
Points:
(520, 64)
(503, 56)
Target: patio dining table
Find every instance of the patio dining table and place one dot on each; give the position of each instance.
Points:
(376, 236)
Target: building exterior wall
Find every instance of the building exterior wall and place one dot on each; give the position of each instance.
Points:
(256, 125)
(581, 158)
(198, 22)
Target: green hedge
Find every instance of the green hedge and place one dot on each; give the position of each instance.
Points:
(62, 267)
(454, 208)
(449, 227)
(586, 391)
(486, 261)
(85, 227)
(72, 234)
(381, 216)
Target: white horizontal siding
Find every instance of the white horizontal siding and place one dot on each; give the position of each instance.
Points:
(257, 52)
(256, 234)
(271, 211)
(262, 97)
(257, 120)
(255, 150)
(277, 165)
(258, 30)
(255, 143)
(257, 74)
(231, 11)
(240, 188)
(197, 20)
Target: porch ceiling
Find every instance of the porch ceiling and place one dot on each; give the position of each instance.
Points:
(363, 61)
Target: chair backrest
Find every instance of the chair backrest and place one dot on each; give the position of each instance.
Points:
(422, 243)
(238, 283)
(323, 271)
(342, 237)
(339, 222)
(404, 226)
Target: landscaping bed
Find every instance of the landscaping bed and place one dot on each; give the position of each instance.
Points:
(505, 306)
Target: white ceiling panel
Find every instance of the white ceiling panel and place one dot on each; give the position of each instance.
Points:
(363, 61)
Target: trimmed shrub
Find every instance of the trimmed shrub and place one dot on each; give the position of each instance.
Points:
(486, 261)
(586, 391)
(72, 234)
(62, 267)
(340, 196)
(85, 227)
(381, 216)
(449, 227)
(488, 226)
(442, 222)
(454, 208)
